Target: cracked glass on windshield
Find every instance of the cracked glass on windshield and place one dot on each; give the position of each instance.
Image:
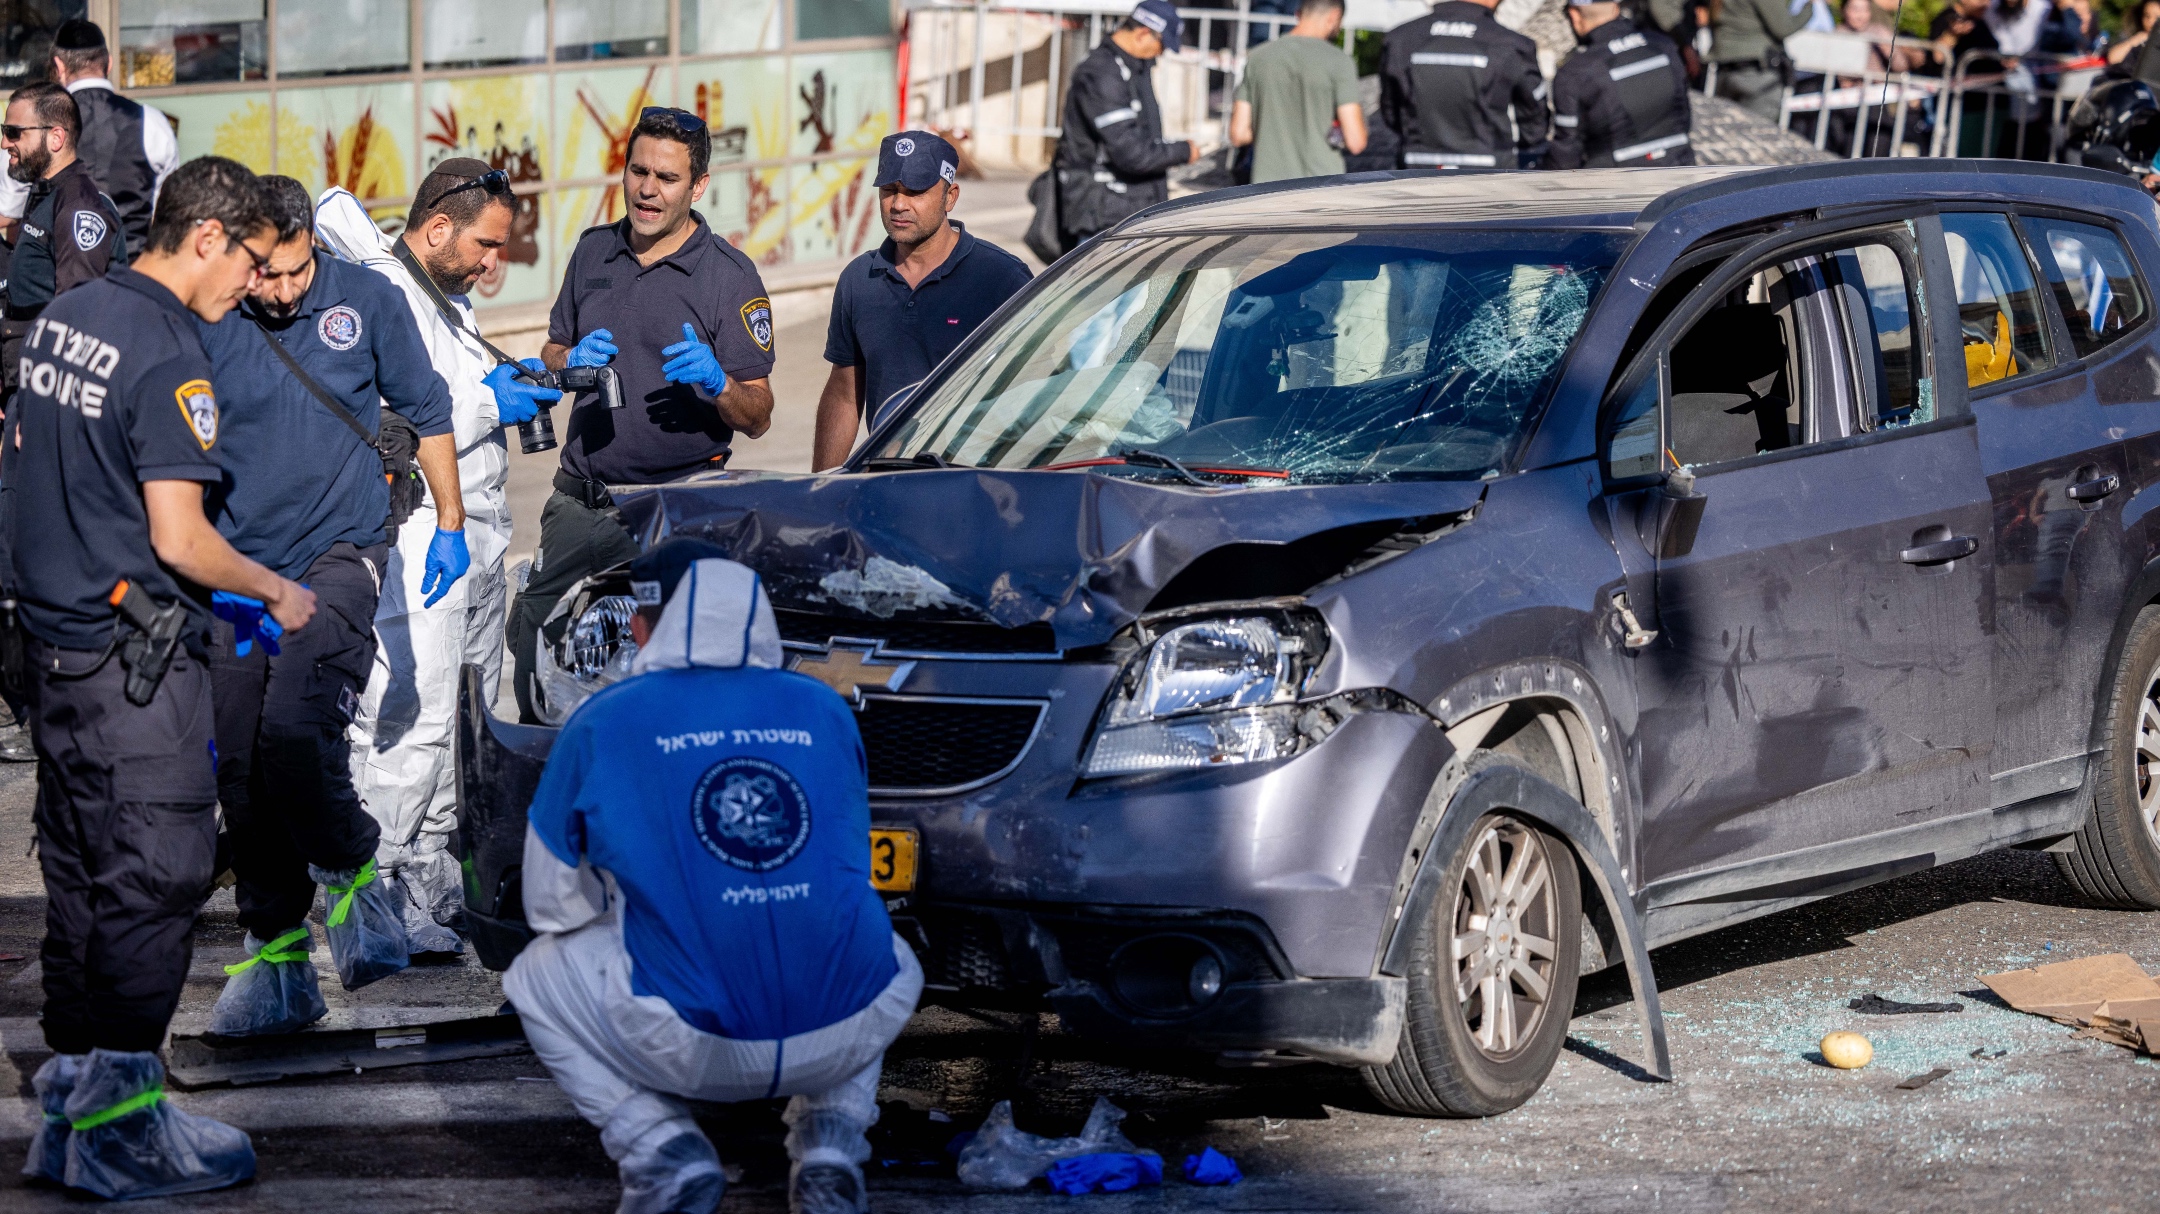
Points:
(1355, 356)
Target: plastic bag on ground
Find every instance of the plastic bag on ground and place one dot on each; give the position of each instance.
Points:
(1103, 1173)
(53, 1083)
(367, 936)
(1003, 1156)
(274, 991)
(127, 1141)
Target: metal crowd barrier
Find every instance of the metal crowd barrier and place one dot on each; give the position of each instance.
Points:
(1993, 111)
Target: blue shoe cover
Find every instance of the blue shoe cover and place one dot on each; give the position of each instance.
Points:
(53, 1083)
(274, 991)
(129, 1142)
(367, 936)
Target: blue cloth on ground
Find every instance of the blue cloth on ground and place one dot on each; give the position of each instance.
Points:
(1106, 1173)
(1211, 1166)
(730, 802)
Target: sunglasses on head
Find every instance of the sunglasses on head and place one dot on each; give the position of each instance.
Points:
(11, 132)
(494, 181)
(685, 121)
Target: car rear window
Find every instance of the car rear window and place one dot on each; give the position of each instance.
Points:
(2095, 283)
(2000, 314)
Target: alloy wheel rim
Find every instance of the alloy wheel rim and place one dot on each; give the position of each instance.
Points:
(1504, 949)
(2146, 756)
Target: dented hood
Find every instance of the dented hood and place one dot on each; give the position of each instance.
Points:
(1080, 551)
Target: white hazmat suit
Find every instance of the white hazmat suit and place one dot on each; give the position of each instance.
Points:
(402, 761)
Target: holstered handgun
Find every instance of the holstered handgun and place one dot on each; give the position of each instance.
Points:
(147, 651)
(14, 660)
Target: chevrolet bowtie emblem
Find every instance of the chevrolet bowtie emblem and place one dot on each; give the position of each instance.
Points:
(849, 671)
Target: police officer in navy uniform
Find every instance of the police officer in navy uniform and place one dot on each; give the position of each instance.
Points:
(117, 421)
(900, 308)
(71, 233)
(1461, 91)
(305, 495)
(1112, 160)
(1621, 99)
(129, 146)
(683, 318)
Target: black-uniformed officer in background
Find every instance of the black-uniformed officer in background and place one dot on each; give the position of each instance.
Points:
(1112, 161)
(1621, 98)
(900, 308)
(682, 316)
(71, 232)
(304, 494)
(1448, 83)
(117, 419)
(129, 146)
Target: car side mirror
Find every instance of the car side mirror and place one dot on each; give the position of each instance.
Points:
(1673, 514)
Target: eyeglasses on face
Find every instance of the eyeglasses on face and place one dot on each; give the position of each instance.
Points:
(685, 121)
(11, 132)
(495, 181)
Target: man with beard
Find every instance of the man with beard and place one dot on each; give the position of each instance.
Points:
(402, 764)
(70, 235)
(308, 362)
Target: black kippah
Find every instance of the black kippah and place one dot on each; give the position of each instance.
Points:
(76, 34)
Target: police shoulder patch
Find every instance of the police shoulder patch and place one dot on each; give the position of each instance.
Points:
(90, 229)
(199, 406)
(750, 814)
(757, 318)
(339, 328)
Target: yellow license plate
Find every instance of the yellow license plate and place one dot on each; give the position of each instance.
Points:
(892, 859)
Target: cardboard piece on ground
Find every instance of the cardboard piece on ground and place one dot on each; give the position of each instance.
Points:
(2072, 992)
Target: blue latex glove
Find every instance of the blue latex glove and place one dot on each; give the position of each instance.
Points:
(691, 361)
(593, 350)
(517, 401)
(251, 622)
(1105, 1173)
(447, 561)
(1211, 1166)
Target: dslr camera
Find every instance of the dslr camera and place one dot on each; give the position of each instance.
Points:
(539, 433)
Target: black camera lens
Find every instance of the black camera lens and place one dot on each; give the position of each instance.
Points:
(538, 434)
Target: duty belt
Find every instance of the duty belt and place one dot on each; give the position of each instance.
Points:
(593, 495)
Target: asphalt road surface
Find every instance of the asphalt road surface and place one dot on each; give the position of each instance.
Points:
(1753, 1123)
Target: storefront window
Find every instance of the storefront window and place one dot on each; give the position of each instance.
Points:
(343, 37)
(610, 29)
(26, 29)
(842, 19)
(727, 27)
(480, 33)
(191, 42)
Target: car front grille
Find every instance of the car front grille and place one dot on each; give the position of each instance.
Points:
(926, 744)
(918, 636)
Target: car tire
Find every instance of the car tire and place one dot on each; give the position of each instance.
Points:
(2117, 861)
(1456, 1058)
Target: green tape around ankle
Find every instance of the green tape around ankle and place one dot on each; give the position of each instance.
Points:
(363, 877)
(140, 1101)
(275, 951)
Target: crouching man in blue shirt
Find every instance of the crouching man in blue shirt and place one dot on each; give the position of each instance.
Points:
(697, 864)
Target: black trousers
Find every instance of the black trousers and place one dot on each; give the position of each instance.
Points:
(126, 827)
(284, 769)
(575, 540)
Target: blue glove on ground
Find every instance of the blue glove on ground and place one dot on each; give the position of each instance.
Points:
(691, 361)
(447, 561)
(517, 401)
(251, 622)
(1211, 1166)
(1110, 1172)
(593, 350)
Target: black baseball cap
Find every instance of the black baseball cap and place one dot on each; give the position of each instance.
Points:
(916, 160)
(1159, 16)
(654, 574)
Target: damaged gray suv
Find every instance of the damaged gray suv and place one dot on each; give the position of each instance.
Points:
(1320, 621)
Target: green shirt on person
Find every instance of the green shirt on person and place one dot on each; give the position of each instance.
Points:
(1294, 84)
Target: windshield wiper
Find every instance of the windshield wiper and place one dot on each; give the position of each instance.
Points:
(1156, 459)
(907, 463)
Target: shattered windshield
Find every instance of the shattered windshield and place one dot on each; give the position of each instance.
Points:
(1301, 356)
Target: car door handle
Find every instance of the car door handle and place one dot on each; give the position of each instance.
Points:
(1941, 551)
(2094, 490)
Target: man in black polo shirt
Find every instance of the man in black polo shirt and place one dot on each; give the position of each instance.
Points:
(900, 308)
(682, 317)
(116, 421)
(70, 233)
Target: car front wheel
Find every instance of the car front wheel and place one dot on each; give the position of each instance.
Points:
(2117, 861)
(1491, 976)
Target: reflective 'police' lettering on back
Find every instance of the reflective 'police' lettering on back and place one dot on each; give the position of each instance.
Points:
(76, 357)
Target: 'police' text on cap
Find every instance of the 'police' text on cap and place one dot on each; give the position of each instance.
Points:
(1159, 16)
(916, 160)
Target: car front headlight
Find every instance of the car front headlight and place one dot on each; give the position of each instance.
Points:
(1210, 693)
(591, 648)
